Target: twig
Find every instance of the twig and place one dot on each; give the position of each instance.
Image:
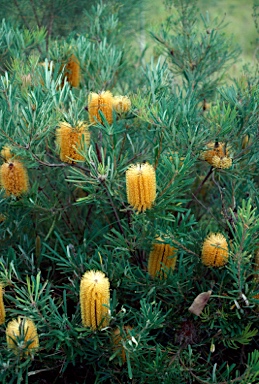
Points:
(200, 186)
(35, 14)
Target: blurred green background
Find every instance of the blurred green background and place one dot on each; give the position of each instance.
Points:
(238, 21)
(137, 18)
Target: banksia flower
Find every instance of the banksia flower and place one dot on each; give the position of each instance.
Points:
(6, 153)
(94, 299)
(70, 140)
(72, 71)
(117, 339)
(14, 178)
(141, 186)
(214, 250)
(217, 155)
(2, 308)
(121, 104)
(161, 255)
(100, 102)
(22, 336)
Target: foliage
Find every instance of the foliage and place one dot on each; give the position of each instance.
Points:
(76, 217)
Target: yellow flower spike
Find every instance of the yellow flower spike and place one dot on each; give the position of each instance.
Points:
(2, 307)
(121, 104)
(117, 339)
(14, 178)
(6, 153)
(141, 186)
(22, 336)
(94, 299)
(72, 71)
(70, 140)
(161, 255)
(100, 102)
(214, 250)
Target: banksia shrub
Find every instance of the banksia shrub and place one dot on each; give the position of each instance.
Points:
(117, 340)
(94, 299)
(141, 186)
(100, 102)
(121, 104)
(14, 178)
(217, 155)
(2, 307)
(214, 250)
(22, 336)
(72, 71)
(161, 256)
(70, 140)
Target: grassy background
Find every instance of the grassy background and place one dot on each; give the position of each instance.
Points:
(238, 17)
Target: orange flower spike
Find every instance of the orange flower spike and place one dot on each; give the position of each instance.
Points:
(161, 255)
(14, 178)
(100, 102)
(215, 250)
(25, 331)
(2, 307)
(72, 71)
(94, 299)
(69, 140)
(141, 186)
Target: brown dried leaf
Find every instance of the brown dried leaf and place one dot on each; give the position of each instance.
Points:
(199, 303)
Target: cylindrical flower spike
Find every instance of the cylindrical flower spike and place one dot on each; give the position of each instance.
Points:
(72, 71)
(70, 140)
(141, 186)
(94, 299)
(161, 256)
(14, 178)
(117, 340)
(121, 104)
(2, 307)
(215, 250)
(100, 102)
(22, 336)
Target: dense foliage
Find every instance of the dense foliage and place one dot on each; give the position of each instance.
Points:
(200, 134)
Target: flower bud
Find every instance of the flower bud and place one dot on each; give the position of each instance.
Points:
(22, 336)
(6, 153)
(121, 104)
